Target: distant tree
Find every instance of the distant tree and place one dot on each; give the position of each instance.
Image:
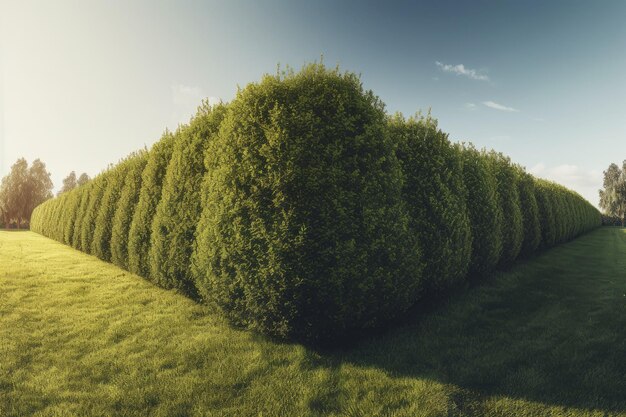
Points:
(69, 183)
(4, 214)
(83, 179)
(23, 190)
(613, 196)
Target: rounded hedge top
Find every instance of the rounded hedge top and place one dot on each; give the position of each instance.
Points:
(304, 232)
(435, 195)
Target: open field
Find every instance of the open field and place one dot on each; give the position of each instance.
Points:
(82, 337)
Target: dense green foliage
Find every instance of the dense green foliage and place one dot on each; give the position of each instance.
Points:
(484, 211)
(116, 177)
(176, 218)
(512, 230)
(530, 214)
(149, 197)
(304, 211)
(435, 196)
(304, 232)
(80, 215)
(21, 190)
(125, 210)
(613, 192)
(91, 212)
(546, 213)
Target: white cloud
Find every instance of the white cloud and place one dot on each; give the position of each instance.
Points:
(494, 105)
(185, 100)
(586, 182)
(184, 95)
(214, 100)
(537, 169)
(568, 174)
(470, 106)
(461, 70)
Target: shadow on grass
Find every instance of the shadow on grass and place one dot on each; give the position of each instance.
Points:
(551, 330)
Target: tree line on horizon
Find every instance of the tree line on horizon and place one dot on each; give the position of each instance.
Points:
(24, 188)
(304, 211)
(613, 195)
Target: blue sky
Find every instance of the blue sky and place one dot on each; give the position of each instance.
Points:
(83, 83)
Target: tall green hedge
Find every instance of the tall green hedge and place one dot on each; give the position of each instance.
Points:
(89, 221)
(69, 216)
(84, 191)
(530, 214)
(125, 210)
(176, 218)
(304, 211)
(512, 231)
(436, 198)
(484, 211)
(149, 197)
(101, 243)
(304, 232)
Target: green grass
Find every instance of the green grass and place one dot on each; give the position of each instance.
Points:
(82, 337)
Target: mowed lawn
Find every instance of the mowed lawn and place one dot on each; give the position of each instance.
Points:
(82, 337)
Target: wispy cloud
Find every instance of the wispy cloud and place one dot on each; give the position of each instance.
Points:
(470, 106)
(461, 70)
(494, 105)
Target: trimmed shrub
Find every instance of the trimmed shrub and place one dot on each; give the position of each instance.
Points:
(125, 210)
(546, 214)
(512, 232)
(89, 221)
(149, 197)
(435, 196)
(483, 210)
(101, 244)
(530, 213)
(558, 206)
(85, 191)
(303, 231)
(75, 198)
(305, 212)
(176, 218)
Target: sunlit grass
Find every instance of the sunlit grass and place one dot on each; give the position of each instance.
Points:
(82, 337)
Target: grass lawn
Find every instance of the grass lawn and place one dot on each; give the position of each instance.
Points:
(82, 337)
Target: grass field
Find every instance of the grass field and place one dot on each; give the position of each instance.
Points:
(82, 337)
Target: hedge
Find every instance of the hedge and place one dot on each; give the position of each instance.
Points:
(101, 243)
(530, 214)
(435, 196)
(176, 218)
(546, 213)
(512, 231)
(305, 212)
(125, 209)
(304, 232)
(484, 211)
(149, 197)
(91, 212)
